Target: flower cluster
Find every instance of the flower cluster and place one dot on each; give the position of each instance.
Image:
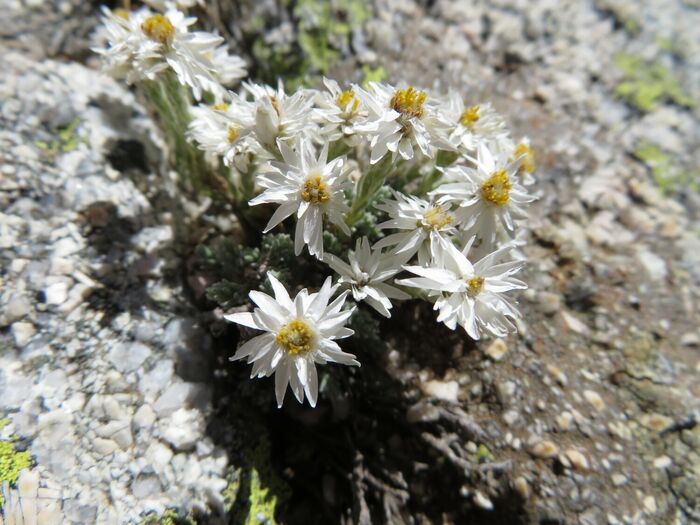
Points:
(444, 181)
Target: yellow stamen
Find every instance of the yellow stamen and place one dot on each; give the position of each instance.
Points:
(345, 98)
(275, 104)
(296, 337)
(222, 106)
(315, 190)
(409, 102)
(528, 164)
(470, 116)
(475, 284)
(496, 189)
(436, 218)
(159, 28)
(232, 134)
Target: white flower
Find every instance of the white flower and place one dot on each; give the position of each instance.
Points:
(401, 120)
(229, 68)
(339, 113)
(473, 125)
(299, 334)
(142, 45)
(527, 165)
(419, 220)
(309, 186)
(488, 194)
(224, 129)
(470, 295)
(367, 273)
(279, 116)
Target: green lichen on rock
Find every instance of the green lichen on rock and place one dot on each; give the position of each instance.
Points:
(668, 176)
(646, 84)
(255, 491)
(67, 139)
(169, 517)
(11, 463)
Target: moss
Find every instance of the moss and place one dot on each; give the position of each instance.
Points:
(646, 84)
(377, 74)
(11, 463)
(3, 422)
(669, 177)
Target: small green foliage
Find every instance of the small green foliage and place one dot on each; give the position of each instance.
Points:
(646, 84)
(4, 422)
(237, 268)
(377, 74)
(11, 463)
(169, 517)
(668, 177)
(483, 454)
(367, 332)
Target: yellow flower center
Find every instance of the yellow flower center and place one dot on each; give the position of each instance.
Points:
(159, 28)
(436, 218)
(296, 337)
(232, 135)
(469, 116)
(344, 99)
(315, 190)
(475, 285)
(528, 164)
(222, 106)
(409, 102)
(496, 188)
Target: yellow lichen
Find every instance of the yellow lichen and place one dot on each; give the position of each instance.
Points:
(409, 102)
(528, 163)
(159, 29)
(469, 116)
(296, 337)
(496, 189)
(437, 218)
(315, 190)
(11, 464)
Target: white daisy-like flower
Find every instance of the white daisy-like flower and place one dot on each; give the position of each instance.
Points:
(280, 116)
(142, 45)
(467, 294)
(473, 125)
(487, 194)
(225, 128)
(229, 68)
(299, 334)
(339, 112)
(418, 221)
(527, 165)
(309, 186)
(401, 120)
(367, 273)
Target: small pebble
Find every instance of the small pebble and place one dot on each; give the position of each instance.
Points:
(618, 479)
(557, 374)
(544, 449)
(594, 399)
(497, 350)
(577, 459)
(522, 487)
(482, 501)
